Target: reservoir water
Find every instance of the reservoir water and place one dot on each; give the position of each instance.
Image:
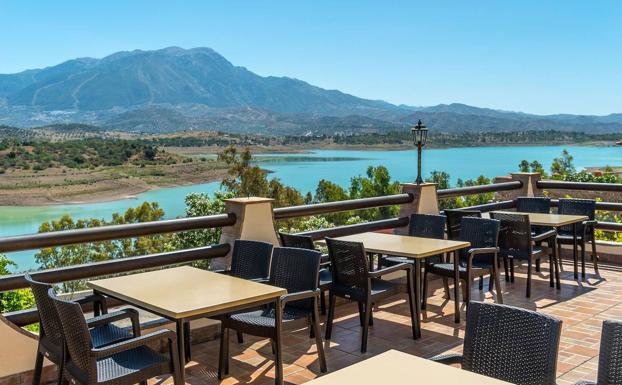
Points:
(303, 171)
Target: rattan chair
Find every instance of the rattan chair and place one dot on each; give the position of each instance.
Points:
(509, 343)
(426, 226)
(585, 229)
(352, 280)
(325, 277)
(128, 362)
(478, 261)
(249, 260)
(540, 205)
(610, 357)
(101, 328)
(516, 242)
(293, 269)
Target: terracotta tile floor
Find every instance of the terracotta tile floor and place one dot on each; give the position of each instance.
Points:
(581, 305)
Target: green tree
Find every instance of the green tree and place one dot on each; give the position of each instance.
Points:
(328, 191)
(563, 165)
(53, 257)
(16, 299)
(376, 183)
(523, 166)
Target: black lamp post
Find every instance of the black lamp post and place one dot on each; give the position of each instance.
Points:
(420, 134)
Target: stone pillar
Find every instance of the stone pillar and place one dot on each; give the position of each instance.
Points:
(425, 201)
(529, 189)
(255, 221)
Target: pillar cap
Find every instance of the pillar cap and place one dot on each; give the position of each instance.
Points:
(525, 173)
(249, 200)
(412, 184)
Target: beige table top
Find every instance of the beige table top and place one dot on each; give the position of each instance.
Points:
(185, 291)
(404, 245)
(552, 220)
(394, 367)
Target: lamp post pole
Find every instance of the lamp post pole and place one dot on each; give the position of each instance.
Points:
(420, 134)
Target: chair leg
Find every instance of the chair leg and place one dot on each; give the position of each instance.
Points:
(529, 265)
(551, 259)
(223, 362)
(491, 281)
(36, 377)
(559, 256)
(506, 264)
(315, 325)
(495, 272)
(366, 320)
(481, 283)
(538, 265)
(331, 315)
(446, 286)
(594, 255)
(323, 302)
(361, 313)
(583, 257)
(512, 270)
(278, 342)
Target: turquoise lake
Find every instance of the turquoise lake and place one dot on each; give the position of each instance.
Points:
(303, 171)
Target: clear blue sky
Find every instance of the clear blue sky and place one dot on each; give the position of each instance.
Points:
(534, 56)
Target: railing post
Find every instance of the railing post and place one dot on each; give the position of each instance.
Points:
(255, 221)
(425, 201)
(529, 189)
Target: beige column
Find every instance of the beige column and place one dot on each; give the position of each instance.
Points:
(255, 221)
(425, 201)
(529, 179)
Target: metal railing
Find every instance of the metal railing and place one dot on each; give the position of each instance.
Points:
(589, 186)
(481, 189)
(337, 206)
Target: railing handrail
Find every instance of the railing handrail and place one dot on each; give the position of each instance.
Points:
(480, 189)
(115, 266)
(336, 206)
(340, 231)
(106, 233)
(566, 185)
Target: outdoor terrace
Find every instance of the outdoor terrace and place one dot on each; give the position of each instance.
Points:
(581, 304)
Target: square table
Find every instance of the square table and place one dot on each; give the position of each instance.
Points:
(415, 248)
(183, 293)
(394, 367)
(557, 221)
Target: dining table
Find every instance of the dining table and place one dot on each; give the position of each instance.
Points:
(183, 293)
(415, 248)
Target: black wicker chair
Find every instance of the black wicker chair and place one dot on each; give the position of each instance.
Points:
(293, 269)
(128, 362)
(454, 220)
(325, 277)
(478, 261)
(540, 205)
(249, 260)
(426, 226)
(352, 280)
(585, 230)
(516, 242)
(101, 328)
(509, 343)
(610, 357)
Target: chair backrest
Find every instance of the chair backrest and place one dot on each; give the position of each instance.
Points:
(349, 263)
(512, 344)
(514, 234)
(296, 270)
(295, 240)
(251, 259)
(428, 226)
(454, 220)
(48, 316)
(76, 335)
(480, 232)
(533, 205)
(573, 206)
(610, 358)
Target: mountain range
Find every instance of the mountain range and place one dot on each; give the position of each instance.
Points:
(179, 89)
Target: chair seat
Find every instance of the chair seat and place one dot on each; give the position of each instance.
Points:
(265, 318)
(447, 269)
(141, 361)
(537, 252)
(568, 238)
(326, 279)
(391, 260)
(379, 287)
(108, 334)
